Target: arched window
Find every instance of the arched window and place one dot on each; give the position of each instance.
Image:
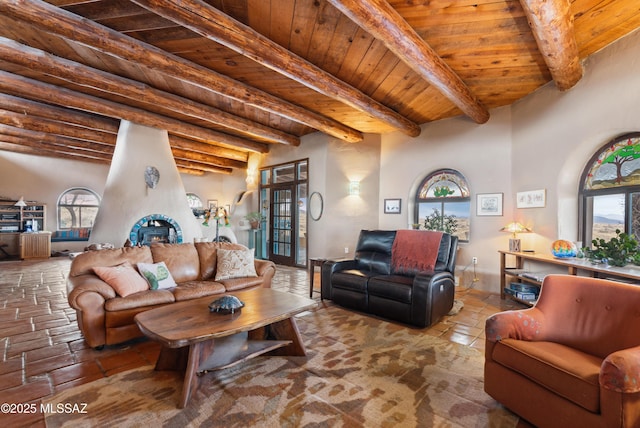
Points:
(196, 205)
(77, 208)
(610, 190)
(443, 203)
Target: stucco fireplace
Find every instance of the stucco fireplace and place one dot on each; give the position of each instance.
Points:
(129, 202)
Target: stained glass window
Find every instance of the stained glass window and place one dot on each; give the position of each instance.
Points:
(610, 190)
(443, 203)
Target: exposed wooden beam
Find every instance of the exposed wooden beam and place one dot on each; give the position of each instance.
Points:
(33, 89)
(215, 155)
(196, 146)
(211, 23)
(67, 136)
(41, 149)
(29, 109)
(41, 124)
(382, 21)
(79, 74)
(25, 134)
(72, 27)
(551, 22)
(60, 114)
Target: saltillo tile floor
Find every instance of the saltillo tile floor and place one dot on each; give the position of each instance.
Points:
(43, 351)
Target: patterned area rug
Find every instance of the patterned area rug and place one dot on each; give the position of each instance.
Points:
(359, 371)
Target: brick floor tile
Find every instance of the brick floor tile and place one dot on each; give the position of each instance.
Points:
(58, 350)
(37, 388)
(75, 371)
(124, 358)
(48, 364)
(18, 348)
(11, 379)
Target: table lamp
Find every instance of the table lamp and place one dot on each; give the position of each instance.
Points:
(515, 228)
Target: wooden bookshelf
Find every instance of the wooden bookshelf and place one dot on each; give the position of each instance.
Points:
(531, 268)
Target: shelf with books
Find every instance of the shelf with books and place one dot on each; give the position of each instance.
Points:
(531, 268)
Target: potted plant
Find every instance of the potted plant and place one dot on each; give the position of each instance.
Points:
(254, 219)
(618, 251)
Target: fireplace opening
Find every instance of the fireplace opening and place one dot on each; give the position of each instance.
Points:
(155, 228)
(156, 231)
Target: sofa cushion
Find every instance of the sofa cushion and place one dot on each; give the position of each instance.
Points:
(235, 264)
(84, 263)
(373, 251)
(143, 299)
(157, 275)
(123, 278)
(391, 287)
(352, 279)
(207, 252)
(566, 371)
(181, 260)
(194, 289)
(233, 284)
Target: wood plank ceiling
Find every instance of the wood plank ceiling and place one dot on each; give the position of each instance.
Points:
(231, 77)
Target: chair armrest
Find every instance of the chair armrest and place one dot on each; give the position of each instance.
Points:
(620, 371)
(88, 283)
(521, 325)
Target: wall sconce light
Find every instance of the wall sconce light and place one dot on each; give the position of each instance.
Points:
(251, 177)
(354, 188)
(514, 242)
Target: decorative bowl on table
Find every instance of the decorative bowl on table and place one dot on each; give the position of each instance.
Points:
(563, 249)
(226, 305)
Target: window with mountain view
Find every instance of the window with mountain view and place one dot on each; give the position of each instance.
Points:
(77, 208)
(610, 190)
(443, 203)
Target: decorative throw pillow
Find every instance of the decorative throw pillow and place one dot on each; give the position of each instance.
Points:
(123, 278)
(235, 264)
(157, 275)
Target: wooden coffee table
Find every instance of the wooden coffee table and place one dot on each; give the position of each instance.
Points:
(197, 341)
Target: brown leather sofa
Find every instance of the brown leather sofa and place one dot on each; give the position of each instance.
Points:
(105, 318)
(573, 360)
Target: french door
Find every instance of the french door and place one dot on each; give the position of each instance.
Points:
(283, 226)
(284, 191)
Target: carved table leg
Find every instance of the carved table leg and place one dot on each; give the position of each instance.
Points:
(288, 330)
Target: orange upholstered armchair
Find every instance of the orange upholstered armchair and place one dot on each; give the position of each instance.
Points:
(571, 360)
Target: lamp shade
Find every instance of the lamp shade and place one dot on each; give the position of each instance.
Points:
(515, 227)
(21, 202)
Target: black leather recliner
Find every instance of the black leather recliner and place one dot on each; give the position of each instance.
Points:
(369, 284)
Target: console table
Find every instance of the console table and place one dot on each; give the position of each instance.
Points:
(531, 268)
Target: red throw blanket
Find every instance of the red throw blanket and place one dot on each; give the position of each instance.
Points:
(415, 250)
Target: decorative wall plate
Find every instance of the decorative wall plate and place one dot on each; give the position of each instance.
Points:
(151, 176)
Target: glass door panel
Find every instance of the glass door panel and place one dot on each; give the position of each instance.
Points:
(282, 221)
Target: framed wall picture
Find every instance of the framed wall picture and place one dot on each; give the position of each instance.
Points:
(392, 206)
(489, 204)
(212, 204)
(531, 199)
